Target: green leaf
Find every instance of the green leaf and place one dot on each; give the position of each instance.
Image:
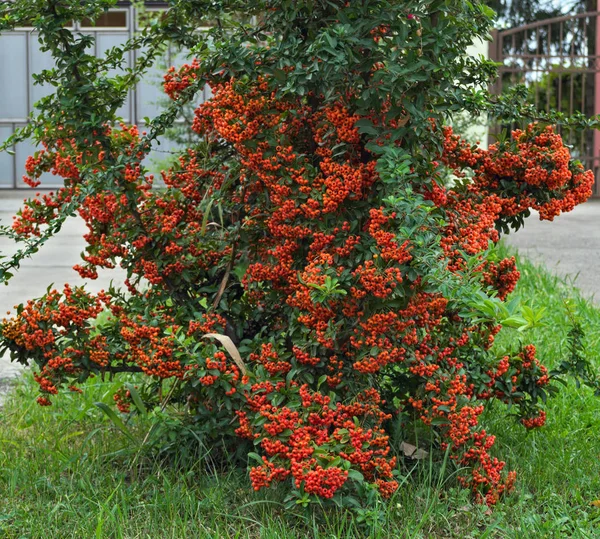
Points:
(514, 322)
(116, 420)
(139, 404)
(356, 475)
(366, 126)
(256, 457)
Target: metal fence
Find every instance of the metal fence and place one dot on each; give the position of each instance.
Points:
(559, 62)
(20, 58)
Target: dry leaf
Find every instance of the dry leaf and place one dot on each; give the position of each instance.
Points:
(595, 503)
(403, 120)
(407, 449)
(231, 348)
(412, 451)
(419, 454)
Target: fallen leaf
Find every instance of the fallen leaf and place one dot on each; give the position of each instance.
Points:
(412, 451)
(407, 449)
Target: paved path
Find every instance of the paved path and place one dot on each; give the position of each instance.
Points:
(568, 246)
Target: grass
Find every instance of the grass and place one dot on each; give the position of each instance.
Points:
(63, 473)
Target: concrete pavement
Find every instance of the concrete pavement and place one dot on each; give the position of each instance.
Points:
(569, 246)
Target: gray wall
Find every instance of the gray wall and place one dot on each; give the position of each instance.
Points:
(20, 57)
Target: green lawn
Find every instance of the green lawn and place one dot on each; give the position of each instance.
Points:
(64, 471)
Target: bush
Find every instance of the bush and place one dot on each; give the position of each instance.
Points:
(320, 268)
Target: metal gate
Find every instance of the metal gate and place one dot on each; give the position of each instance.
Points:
(559, 62)
(20, 57)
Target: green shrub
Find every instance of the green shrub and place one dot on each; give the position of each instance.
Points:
(307, 281)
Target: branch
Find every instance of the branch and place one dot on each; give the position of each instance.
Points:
(124, 368)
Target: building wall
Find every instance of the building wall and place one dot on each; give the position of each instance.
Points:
(477, 128)
(20, 58)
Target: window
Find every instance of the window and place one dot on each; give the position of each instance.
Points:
(29, 25)
(107, 21)
(147, 15)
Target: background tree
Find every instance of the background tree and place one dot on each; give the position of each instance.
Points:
(512, 13)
